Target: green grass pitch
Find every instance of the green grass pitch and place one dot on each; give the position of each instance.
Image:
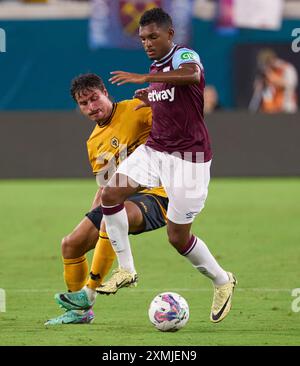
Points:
(250, 225)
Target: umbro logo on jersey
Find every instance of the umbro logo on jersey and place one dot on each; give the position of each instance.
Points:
(157, 96)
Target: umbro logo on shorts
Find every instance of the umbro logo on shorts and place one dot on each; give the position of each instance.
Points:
(190, 215)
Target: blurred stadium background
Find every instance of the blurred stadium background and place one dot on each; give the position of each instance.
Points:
(43, 45)
(48, 43)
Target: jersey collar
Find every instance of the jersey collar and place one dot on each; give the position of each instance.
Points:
(166, 58)
(108, 120)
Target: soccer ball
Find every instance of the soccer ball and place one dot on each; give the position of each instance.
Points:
(169, 312)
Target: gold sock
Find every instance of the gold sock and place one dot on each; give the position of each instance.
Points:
(75, 272)
(103, 259)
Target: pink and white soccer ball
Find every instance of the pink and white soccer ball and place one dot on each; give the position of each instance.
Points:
(169, 312)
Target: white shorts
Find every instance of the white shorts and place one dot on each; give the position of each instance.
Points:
(185, 183)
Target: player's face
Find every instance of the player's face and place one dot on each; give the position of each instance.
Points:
(94, 104)
(157, 41)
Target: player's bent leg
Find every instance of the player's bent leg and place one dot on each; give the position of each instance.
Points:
(121, 277)
(104, 254)
(103, 258)
(185, 202)
(136, 224)
(74, 246)
(102, 261)
(84, 298)
(146, 212)
(117, 227)
(196, 251)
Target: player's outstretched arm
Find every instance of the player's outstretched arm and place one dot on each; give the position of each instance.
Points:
(123, 77)
(185, 75)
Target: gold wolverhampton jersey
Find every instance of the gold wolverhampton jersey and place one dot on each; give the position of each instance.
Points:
(113, 141)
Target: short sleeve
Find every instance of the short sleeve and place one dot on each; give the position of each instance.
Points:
(185, 56)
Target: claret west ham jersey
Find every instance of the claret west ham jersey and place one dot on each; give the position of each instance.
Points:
(178, 122)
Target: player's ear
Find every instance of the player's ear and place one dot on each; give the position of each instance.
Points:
(105, 92)
(171, 34)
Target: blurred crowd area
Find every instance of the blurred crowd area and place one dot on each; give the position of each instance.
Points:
(254, 69)
(202, 8)
(205, 9)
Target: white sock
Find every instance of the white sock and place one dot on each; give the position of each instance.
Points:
(117, 229)
(202, 259)
(91, 293)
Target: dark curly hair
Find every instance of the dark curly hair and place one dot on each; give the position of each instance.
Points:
(85, 82)
(157, 16)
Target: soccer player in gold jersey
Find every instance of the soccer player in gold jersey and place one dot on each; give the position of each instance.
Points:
(120, 129)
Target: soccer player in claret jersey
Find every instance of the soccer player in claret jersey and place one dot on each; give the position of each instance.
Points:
(177, 154)
(119, 130)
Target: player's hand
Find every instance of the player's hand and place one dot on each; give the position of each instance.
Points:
(142, 94)
(122, 77)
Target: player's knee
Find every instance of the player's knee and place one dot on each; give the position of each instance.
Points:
(108, 197)
(175, 240)
(68, 247)
(178, 240)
